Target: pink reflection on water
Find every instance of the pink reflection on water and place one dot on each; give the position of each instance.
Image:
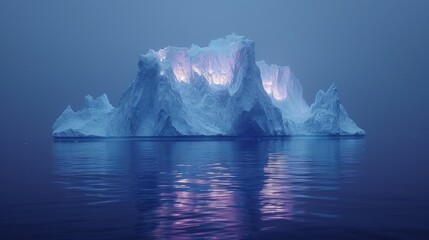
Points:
(196, 205)
(275, 196)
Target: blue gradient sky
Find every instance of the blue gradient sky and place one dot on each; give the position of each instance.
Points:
(53, 53)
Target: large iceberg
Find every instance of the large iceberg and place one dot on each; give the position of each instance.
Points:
(219, 90)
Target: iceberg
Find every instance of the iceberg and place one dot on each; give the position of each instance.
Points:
(218, 90)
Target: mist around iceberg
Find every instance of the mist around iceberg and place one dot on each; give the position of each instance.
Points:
(219, 90)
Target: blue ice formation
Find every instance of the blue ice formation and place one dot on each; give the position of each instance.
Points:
(219, 90)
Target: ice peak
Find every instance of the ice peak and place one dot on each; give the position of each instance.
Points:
(231, 42)
(69, 109)
(332, 89)
(331, 93)
(328, 100)
(102, 102)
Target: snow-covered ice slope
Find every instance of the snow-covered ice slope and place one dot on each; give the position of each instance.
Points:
(214, 90)
(328, 116)
(92, 120)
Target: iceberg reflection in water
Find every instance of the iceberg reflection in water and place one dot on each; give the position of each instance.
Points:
(229, 188)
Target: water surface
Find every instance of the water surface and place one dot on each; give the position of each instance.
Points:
(187, 188)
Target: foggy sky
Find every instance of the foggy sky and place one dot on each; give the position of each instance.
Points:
(53, 53)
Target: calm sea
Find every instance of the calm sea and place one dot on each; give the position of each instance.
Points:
(214, 188)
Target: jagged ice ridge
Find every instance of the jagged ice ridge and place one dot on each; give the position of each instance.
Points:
(214, 90)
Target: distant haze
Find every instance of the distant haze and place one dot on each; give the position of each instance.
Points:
(53, 53)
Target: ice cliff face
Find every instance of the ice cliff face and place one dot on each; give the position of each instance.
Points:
(214, 90)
